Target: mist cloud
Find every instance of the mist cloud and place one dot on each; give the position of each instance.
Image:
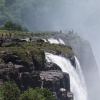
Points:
(83, 16)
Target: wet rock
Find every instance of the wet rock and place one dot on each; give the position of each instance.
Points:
(52, 66)
(26, 79)
(21, 68)
(40, 41)
(35, 73)
(63, 94)
(36, 80)
(58, 82)
(10, 58)
(72, 60)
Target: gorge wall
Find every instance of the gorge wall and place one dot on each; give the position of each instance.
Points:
(25, 63)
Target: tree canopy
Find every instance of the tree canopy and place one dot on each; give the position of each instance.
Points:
(10, 91)
(33, 14)
(9, 25)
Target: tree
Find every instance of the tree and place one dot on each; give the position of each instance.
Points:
(31, 94)
(9, 2)
(46, 93)
(9, 25)
(9, 91)
(37, 94)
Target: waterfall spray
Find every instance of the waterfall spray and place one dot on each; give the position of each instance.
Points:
(76, 77)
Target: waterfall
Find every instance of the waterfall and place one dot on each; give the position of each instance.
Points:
(61, 41)
(76, 77)
(53, 41)
(56, 41)
(79, 71)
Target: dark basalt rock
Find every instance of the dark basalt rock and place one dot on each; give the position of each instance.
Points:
(72, 60)
(65, 95)
(10, 58)
(36, 80)
(55, 81)
(58, 52)
(52, 66)
(25, 79)
(21, 65)
(39, 64)
(35, 73)
(21, 68)
(40, 41)
(52, 79)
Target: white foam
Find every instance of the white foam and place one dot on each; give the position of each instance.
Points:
(61, 41)
(56, 41)
(76, 78)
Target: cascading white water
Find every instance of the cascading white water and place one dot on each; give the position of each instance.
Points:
(53, 41)
(79, 71)
(61, 41)
(56, 41)
(76, 78)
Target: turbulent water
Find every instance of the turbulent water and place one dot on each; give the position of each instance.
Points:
(76, 77)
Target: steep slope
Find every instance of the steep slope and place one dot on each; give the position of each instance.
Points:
(25, 64)
(28, 57)
(83, 51)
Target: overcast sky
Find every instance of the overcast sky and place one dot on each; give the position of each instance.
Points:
(84, 17)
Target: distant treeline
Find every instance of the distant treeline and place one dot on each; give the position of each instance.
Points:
(33, 14)
(9, 25)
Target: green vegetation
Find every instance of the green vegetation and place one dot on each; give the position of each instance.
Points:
(32, 94)
(25, 50)
(10, 91)
(37, 94)
(46, 93)
(33, 14)
(9, 25)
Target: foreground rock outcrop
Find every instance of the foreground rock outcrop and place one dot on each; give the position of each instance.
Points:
(57, 81)
(27, 67)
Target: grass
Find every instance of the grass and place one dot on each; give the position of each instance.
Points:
(24, 50)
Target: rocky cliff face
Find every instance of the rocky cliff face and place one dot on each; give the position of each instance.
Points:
(83, 51)
(27, 65)
(57, 81)
(28, 69)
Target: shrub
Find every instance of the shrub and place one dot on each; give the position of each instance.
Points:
(1, 27)
(9, 91)
(69, 47)
(31, 94)
(37, 94)
(46, 93)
